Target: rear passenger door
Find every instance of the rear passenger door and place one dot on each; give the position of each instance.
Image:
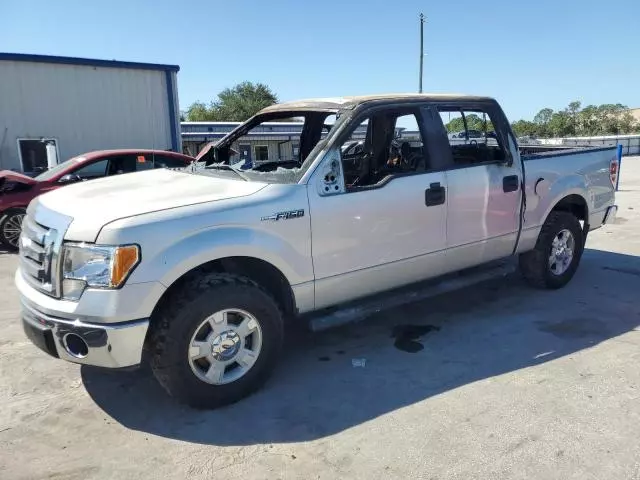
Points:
(484, 190)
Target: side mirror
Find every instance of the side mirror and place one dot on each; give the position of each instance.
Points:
(69, 178)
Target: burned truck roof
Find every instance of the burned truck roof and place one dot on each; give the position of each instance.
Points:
(340, 103)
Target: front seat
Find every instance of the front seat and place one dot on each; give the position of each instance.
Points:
(409, 157)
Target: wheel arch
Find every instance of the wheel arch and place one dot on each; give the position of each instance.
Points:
(264, 273)
(573, 203)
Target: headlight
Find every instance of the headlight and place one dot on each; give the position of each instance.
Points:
(96, 266)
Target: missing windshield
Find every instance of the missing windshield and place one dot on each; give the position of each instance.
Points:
(276, 144)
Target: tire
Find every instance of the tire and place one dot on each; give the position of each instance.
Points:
(181, 323)
(9, 221)
(536, 266)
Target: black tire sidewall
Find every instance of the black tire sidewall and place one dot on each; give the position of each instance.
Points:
(171, 365)
(562, 221)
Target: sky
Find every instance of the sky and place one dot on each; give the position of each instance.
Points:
(528, 55)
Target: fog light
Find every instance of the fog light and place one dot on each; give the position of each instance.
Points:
(72, 289)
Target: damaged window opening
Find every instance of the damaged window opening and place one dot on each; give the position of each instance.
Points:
(271, 147)
(387, 143)
(472, 136)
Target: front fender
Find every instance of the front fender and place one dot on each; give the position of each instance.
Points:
(187, 253)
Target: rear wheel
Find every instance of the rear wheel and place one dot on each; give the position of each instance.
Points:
(216, 341)
(555, 258)
(10, 228)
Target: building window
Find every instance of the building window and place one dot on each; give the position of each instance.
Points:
(33, 154)
(261, 153)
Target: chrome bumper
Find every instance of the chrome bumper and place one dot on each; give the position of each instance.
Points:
(610, 215)
(113, 345)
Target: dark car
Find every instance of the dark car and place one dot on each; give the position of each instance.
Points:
(17, 190)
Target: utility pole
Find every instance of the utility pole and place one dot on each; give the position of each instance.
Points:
(421, 49)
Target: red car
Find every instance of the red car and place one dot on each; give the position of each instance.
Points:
(17, 190)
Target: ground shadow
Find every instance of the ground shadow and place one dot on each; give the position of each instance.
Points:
(487, 330)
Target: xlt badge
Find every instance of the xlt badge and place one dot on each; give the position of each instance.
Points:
(284, 215)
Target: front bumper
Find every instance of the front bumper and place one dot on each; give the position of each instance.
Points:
(113, 345)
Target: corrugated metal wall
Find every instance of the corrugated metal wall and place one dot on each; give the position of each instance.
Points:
(83, 107)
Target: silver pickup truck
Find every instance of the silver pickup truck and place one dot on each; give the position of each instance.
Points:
(199, 271)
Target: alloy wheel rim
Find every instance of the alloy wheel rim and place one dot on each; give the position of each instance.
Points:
(562, 251)
(11, 229)
(225, 346)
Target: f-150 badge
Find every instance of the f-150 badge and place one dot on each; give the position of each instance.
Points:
(284, 215)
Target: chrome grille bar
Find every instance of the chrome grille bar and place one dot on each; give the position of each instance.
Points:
(32, 268)
(38, 259)
(33, 251)
(33, 231)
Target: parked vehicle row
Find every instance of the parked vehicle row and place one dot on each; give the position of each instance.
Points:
(17, 190)
(203, 268)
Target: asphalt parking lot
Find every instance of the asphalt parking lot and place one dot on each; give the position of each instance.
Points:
(513, 383)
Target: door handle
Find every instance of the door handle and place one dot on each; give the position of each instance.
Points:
(510, 183)
(434, 195)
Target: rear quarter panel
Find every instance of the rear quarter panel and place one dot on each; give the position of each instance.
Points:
(551, 177)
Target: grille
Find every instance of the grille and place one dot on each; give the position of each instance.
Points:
(39, 251)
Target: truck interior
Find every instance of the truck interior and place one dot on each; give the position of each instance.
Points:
(473, 140)
(383, 151)
(315, 125)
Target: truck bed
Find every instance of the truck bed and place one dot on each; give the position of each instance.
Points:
(532, 152)
(554, 174)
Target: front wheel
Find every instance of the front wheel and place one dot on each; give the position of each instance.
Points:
(555, 258)
(216, 341)
(10, 228)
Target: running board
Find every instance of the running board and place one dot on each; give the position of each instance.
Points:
(361, 309)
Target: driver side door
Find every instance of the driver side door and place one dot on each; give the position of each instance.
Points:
(380, 228)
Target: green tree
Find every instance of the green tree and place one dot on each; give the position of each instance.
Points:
(588, 121)
(524, 128)
(592, 120)
(455, 125)
(542, 120)
(561, 125)
(616, 119)
(199, 112)
(234, 104)
(474, 122)
(574, 110)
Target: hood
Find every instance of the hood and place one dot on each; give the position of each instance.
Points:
(10, 176)
(95, 203)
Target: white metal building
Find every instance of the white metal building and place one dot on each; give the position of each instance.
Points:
(79, 105)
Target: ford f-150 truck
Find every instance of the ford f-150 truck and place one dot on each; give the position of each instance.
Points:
(200, 271)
